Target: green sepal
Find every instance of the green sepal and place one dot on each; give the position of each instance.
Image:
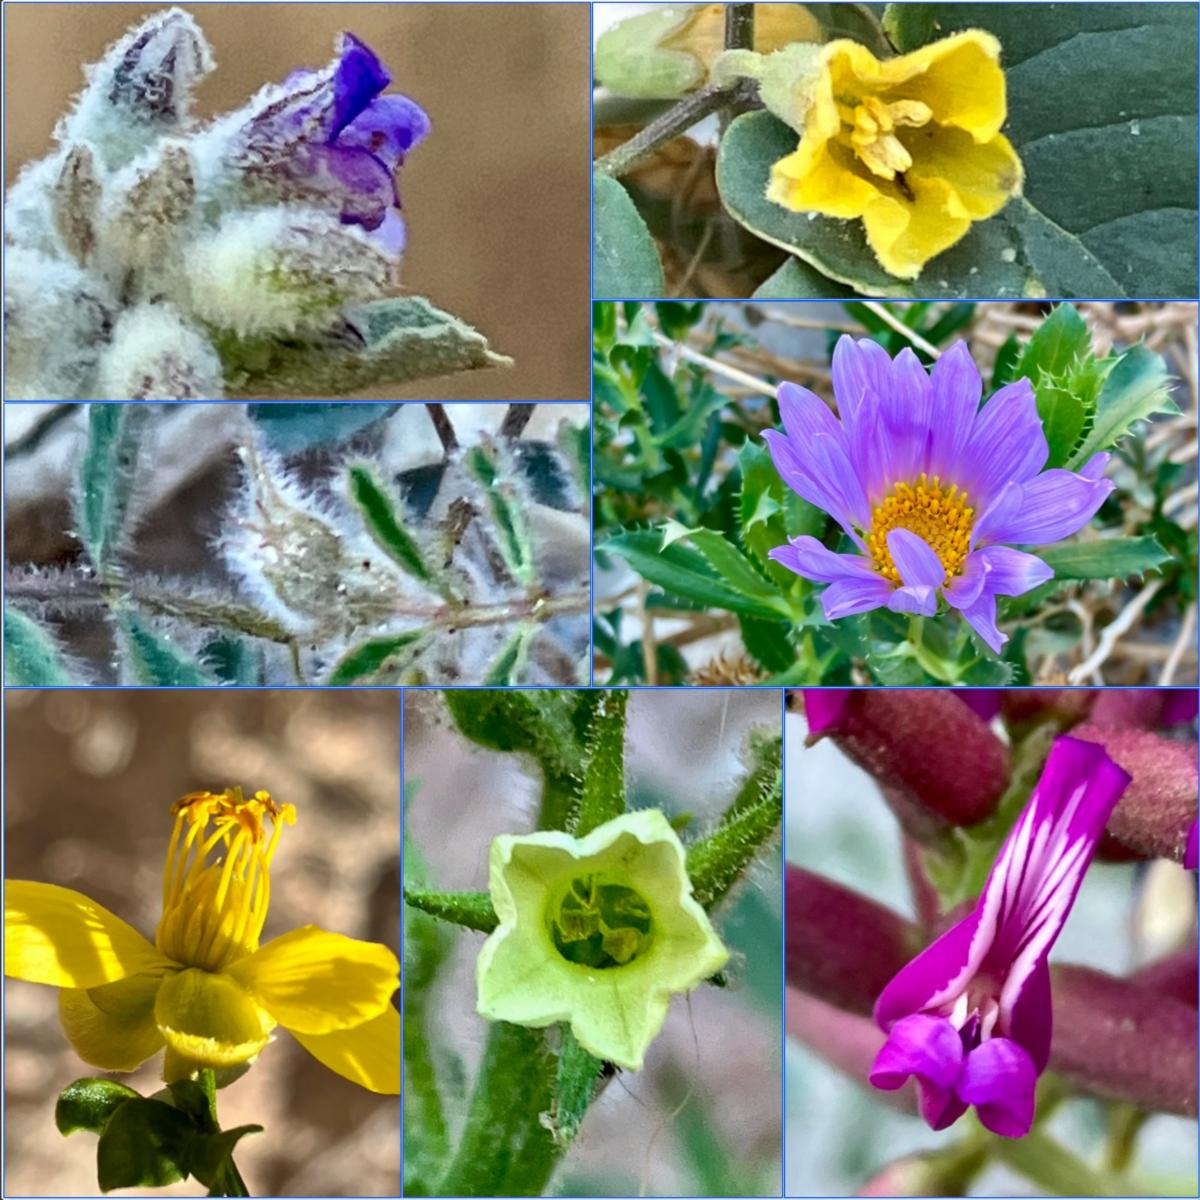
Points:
(32, 655)
(406, 339)
(715, 863)
(89, 1103)
(473, 910)
(602, 795)
(144, 1144)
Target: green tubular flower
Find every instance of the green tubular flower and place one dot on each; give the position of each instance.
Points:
(599, 931)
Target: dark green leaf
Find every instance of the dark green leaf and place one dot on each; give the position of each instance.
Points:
(385, 523)
(799, 280)
(626, 260)
(198, 1099)
(513, 531)
(366, 660)
(144, 1144)
(210, 1155)
(89, 1103)
(1063, 419)
(1059, 341)
(508, 666)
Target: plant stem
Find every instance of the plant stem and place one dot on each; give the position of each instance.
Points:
(739, 27)
(688, 112)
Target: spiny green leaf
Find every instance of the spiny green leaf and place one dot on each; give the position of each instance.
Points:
(473, 910)
(603, 793)
(32, 655)
(1106, 558)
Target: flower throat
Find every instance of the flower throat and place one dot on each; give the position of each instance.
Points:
(598, 923)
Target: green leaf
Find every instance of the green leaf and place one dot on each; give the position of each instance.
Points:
(155, 660)
(107, 476)
(292, 428)
(799, 280)
(394, 341)
(472, 910)
(538, 722)
(385, 523)
(197, 1098)
(144, 1144)
(1136, 388)
(89, 1103)
(514, 536)
(1057, 343)
(1109, 205)
(602, 796)
(689, 573)
(390, 653)
(1107, 558)
(575, 1087)
(32, 655)
(769, 513)
(626, 260)
(509, 665)
(210, 1156)
(1063, 419)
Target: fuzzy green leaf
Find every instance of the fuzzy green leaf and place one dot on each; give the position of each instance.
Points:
(89, 1103)
(391, 653)
(395, 341)
(509, 665)
(32, 655)
(515, 545)
(107, 477)
(473, 910)
(155, 660)
(385, 523)
(799, 280)
(626, 259)
(602, 796)
(716, 863)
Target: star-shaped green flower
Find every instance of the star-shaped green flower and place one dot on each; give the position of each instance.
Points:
(599, 931)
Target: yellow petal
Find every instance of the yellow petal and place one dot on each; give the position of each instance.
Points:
(313, 981)
(906, 234)
(58, 936)
(367, 1054)
(961, 80)
(112, 1027)
(984, 176)
(823, 181)
(210, 1020)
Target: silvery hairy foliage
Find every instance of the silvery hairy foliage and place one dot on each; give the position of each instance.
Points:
(151, 256)
(319, 548)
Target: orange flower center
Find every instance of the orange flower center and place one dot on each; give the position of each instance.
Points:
(939, 515)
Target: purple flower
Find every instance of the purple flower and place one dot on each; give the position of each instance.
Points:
(927, 485)
(1191, 856)
(329, 137)
(970, 1017)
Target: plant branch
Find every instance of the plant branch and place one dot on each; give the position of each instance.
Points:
(739, 27)
(688, 112)
(443, 427)
(515, 419)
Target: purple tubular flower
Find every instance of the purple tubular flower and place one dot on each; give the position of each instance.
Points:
(969, 1018)
(329, 136)
(932, 489)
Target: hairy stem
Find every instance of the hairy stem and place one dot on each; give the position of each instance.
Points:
(690, 110)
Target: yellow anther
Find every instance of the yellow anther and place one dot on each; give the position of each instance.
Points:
(939, 515)
(869, 126)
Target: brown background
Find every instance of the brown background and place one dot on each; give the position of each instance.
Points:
(496, 199)
(90, 777)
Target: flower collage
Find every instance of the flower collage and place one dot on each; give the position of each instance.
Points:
(635, 566)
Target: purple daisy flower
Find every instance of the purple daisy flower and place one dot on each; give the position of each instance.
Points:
(929, 486)
(329, 136)
(970, 1016)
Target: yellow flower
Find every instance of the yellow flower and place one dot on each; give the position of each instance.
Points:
(599, 931)
(912, 145)
(206, 989)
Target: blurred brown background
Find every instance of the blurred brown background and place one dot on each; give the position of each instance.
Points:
(496, 199)
(89, 780)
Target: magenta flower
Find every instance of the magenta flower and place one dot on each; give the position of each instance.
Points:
(329, 137)
(927, 485)
(1191, 855)
(969, 1018)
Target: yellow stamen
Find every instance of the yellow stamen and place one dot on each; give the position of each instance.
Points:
(213, 911)
(937, 514)
(869, 127)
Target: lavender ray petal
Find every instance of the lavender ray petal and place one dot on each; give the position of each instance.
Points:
(980, 614)
(916, 562)
(849, 596)
(1007, 443)
(1053, 506)
(807, 557)
(964, 589)
(957, 389)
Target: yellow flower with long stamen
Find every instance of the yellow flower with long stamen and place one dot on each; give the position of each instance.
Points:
(206, 989)
(910, 145)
